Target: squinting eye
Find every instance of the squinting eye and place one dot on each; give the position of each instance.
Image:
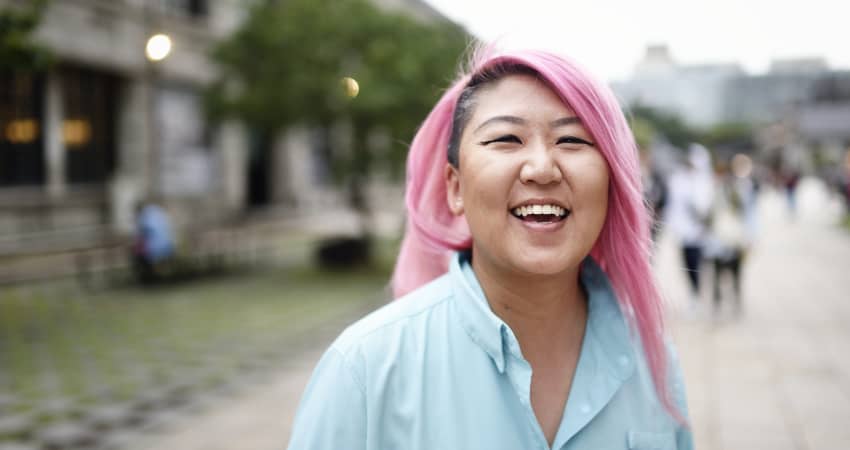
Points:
(573, 140)
(505, 138)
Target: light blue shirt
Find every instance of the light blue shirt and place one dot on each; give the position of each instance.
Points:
(438, 370)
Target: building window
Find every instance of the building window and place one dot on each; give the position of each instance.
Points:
(88, 126)
(191, 8)
(21, 129)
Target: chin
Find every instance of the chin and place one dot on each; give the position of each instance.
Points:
(547, 264)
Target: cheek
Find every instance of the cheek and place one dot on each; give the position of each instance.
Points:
(601, 194)
(591, 182)
(482, 196)
(485, 184)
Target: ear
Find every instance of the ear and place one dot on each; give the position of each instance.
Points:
(453, 194)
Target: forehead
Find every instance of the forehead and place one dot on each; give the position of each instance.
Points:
(523, 96)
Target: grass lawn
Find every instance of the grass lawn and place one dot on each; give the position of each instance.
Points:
(116, 345)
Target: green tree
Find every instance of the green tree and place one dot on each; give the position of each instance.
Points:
(671, 126)
(17, 50)
(284, 67)
(731, 135)
(726, 136)
(643, 132)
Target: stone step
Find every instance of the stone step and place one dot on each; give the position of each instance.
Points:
(17, 426)
(110, 417)
(18, 446)
(8, 402)
(67, 435)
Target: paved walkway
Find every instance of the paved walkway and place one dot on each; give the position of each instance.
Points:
(777, 378)
(258, 418)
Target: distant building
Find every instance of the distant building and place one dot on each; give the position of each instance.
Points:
(823, 123)
(797, 106)
(798, 66)
(707, 95)
(106, 127)
(695, 93)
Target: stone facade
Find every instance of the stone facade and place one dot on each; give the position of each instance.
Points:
(158, 142)
(155, 141)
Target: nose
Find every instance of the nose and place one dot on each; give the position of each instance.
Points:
(540, 167)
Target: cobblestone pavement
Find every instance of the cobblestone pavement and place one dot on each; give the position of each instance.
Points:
(777, 377)
(259, 418)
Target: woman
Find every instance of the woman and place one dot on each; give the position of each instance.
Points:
(522, 170)
(731, 230)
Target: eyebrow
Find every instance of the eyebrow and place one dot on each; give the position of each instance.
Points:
(520, 121)
(564, 121)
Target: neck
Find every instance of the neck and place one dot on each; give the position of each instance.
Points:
(539, 309)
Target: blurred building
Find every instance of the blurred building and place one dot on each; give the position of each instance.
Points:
(107, 126)
(797, 106)
(710, 94)
(822, 123)
(697, 93)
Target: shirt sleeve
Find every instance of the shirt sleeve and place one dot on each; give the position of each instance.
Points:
(332, 413)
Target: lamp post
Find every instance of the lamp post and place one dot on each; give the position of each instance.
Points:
(157, 47)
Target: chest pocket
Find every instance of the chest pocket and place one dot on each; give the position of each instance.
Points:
(641, 440)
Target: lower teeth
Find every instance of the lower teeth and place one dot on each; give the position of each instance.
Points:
(542, 218)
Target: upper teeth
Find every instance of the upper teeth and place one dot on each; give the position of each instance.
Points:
(539, 209)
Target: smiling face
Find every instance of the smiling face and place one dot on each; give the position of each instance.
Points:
(530, 181)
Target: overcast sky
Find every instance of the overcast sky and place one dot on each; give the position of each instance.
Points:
(610, 36)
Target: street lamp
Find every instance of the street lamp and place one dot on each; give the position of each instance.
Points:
(158, 47)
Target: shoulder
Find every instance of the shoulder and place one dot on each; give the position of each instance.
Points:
(392, 321)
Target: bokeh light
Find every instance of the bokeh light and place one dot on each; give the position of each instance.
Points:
(742, 165)
(158, 47)
(351, 87)
(21, 131)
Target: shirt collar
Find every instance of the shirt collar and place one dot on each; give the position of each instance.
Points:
(488, 331)
(483, 326)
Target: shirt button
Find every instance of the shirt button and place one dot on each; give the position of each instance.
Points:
(624, 360)
(585, 408)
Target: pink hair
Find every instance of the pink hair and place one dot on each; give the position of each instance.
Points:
(623, 247)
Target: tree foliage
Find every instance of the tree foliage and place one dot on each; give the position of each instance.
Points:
(17, 50)
(284, 66)
(647, 121)
(643, 131)
(671, 126)
(730, 135)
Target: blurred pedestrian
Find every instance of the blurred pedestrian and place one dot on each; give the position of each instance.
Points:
(845, 184)
(790, 180)
(154, 241)
(732, 231)
(689, 212)
(524, 279)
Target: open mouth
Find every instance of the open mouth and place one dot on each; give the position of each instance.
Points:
(540, 213)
